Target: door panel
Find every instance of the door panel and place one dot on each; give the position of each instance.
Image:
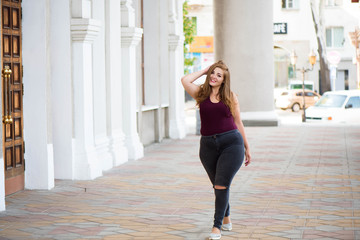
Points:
(12, 93)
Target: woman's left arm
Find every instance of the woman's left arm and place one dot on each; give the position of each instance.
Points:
(240, 126)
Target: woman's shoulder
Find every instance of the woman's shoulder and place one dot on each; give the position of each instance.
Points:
(234, 97)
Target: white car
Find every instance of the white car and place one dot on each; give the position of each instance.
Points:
(336, 106)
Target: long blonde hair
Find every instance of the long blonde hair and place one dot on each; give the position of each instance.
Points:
(225, 94)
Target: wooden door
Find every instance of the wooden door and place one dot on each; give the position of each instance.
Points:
(12, 93)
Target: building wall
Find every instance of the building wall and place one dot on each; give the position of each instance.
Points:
(203, 11)
(75, 55)
(300, 27)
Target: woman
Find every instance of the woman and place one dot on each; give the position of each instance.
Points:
(223, 136)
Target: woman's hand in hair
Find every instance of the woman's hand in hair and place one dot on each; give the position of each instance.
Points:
(206, 70)
(189, 79)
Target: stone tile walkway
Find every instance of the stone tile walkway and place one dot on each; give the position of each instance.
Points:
(304, 183)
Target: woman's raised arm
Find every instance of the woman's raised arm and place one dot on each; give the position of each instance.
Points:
(187, 81)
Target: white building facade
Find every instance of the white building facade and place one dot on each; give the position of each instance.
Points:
(294, 30)
(101, 80)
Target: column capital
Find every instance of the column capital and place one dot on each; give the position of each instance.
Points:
(84, 29)
(355, 36)
(127, 13)
(355, 40)
(130, 36)
(172, 18)
(175, 41)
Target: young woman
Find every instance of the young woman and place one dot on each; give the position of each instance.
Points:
(223, 141)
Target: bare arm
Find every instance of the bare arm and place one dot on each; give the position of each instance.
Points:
(187, 81)
(240, 126)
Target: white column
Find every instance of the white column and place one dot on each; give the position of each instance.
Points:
(60, 58)
(2, 184)
(130, 38)
(244, 41)
(355, 40)
(102, 141)
(113, 82)
(176, 96)
(83, 31)
(39, 173)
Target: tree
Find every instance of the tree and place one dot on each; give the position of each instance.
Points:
(189, 32)
(324, 68)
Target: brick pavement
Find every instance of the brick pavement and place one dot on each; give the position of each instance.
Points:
(304, 183)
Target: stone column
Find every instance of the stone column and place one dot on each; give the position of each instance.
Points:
(130, 38)
(244, 41)
(102, 141)
(83, 32)
(176, 96)
(113, 82)
(39, 173)
(61, 86)
(355, 40)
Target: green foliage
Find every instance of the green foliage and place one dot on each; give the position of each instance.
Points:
(189, 32)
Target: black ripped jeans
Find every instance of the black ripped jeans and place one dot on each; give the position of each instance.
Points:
(222, 156)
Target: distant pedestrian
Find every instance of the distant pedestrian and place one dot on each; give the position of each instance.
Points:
(223, 143)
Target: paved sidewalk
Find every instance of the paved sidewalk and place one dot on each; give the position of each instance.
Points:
(304, 183)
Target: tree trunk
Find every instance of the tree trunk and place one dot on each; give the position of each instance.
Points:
(324, 69)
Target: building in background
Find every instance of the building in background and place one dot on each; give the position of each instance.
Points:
(294, 30)
(202, 49)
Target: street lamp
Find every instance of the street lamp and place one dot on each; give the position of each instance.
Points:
(312, 60)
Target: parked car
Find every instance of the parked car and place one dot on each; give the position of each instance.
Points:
(293, 99)
(336, 106)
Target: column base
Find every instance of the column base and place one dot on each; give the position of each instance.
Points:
(103, 153)
(260, 119)
(86, 164)
(134, 147)
(2, 185)
(177, 129)
(35, 179)
(118, 150)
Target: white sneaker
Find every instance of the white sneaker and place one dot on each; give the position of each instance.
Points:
(214, 236)
(227, 227)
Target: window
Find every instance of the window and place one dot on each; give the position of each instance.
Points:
(331, 100)
(335, 37)
(309, 94)
(354, 102)
(291, 72)
(333, 3)
(290, 4)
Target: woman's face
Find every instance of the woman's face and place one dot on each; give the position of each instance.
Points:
(216, 77)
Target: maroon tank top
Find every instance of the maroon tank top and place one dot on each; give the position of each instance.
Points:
(215, 118)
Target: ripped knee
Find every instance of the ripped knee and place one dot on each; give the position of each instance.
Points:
(219, 187)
